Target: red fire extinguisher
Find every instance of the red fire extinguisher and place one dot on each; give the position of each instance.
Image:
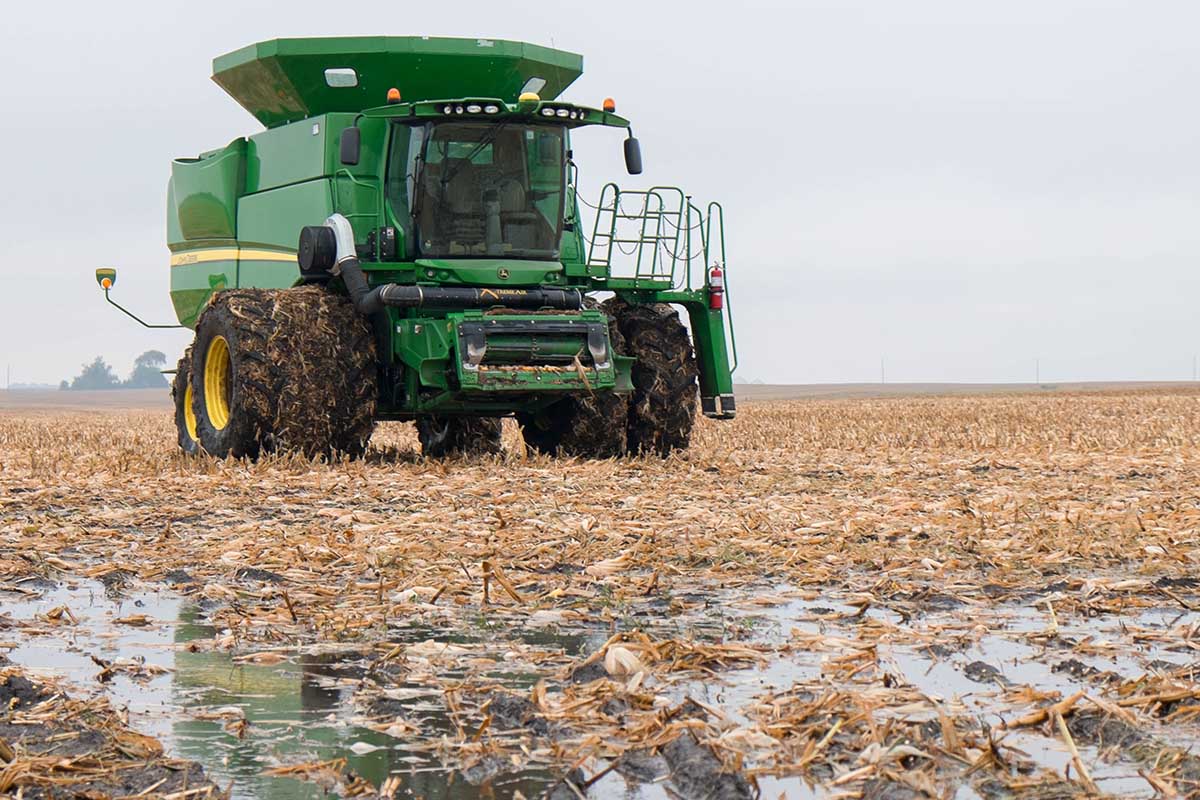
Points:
(716, 288)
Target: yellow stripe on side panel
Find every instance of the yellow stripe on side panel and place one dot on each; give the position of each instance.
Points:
(266, 255)
(229, 254)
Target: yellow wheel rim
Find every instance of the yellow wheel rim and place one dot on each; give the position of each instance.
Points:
(189, 413)
(218, 382)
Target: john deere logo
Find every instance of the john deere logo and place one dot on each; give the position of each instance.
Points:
(502, 274)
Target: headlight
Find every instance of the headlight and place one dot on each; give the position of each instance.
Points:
(474, 109)
(562, 112)
(547, 112)
(447, 109)
(458, 109)
(491, 109)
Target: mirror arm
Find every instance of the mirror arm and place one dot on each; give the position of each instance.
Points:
(133, 316)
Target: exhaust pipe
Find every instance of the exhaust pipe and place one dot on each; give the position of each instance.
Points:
(330, 248)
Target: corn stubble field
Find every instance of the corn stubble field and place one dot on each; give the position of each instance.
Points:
(990, 596)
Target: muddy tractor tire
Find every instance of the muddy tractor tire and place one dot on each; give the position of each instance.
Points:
(442, 437)
(587, 426)
(185, 417)
(584, 427)
(330, 386)
(289, 370)
(663, 407)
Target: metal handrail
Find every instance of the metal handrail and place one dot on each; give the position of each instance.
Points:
(370, 182)
(600, 210)
(664, 223)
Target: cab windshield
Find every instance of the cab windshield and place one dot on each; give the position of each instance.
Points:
(490, 190)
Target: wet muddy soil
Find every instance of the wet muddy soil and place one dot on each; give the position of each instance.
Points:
(55, 746)
(978, 597)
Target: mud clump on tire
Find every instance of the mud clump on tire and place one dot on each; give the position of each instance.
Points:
(442, 437)
(594, 425)
(663, 407)
(329, 387)
(587, 427)
(303, 376)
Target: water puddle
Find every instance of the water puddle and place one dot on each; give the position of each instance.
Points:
(237, 719)
(242, 716)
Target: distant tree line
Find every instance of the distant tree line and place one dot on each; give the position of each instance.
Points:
(147, 374)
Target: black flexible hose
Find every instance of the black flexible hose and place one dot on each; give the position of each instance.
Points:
(370, 301)
(367, 300)
(331, 246)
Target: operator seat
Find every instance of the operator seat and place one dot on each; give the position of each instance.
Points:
(462, 206)
(518, 218)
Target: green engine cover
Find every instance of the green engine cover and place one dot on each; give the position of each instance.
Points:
(284, 80)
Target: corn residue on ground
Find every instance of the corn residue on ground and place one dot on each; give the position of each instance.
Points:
(997, 596)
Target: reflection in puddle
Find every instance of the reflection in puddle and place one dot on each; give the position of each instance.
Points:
(146, 653)
(298, 710)
(242, 717)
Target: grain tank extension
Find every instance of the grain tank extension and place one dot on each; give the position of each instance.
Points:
(404, 241)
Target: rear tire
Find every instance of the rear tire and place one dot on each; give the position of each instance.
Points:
(288, 370)
(663, 407)
(458, 436)
(233, 381)
(185, 417)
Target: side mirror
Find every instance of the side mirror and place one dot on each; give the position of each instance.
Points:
(351, 145)
(633, 156)
(106, 277)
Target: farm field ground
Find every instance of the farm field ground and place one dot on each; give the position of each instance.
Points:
(54, 401)
(946, 592)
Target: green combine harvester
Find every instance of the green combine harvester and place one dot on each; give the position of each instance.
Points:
(404, 242)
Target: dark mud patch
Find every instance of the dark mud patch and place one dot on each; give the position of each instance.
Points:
(35, 583)
(983, 672)
(643, 766)
(485, 769)
(996, 789)
(996, 591)
(256, 575)
(17, 692)
(115, 582)
(937, 650)
(1129, 743)
(57, 747)
(1080, 671)
(698, 774)
(1185, 582)
(586, 673)
(692, 768)
(178, 577)
(886, 789)
(512, 712)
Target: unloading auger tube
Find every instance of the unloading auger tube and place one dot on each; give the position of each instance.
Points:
(330, 248)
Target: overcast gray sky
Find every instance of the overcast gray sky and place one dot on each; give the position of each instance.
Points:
(957, 187)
